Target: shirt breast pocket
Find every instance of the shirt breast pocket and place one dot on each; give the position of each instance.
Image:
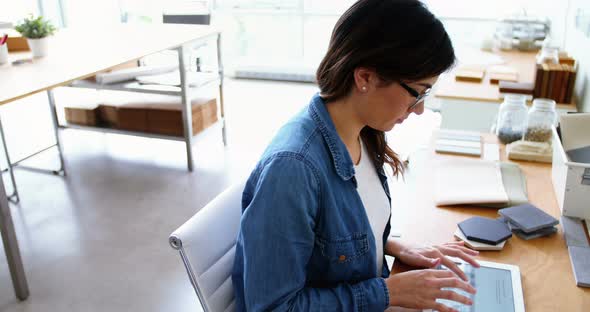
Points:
(346, 257)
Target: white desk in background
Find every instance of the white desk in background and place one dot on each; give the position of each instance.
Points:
(77, 54)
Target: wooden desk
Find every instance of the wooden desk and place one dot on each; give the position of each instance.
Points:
(479, 100)
(80, 53)
(547, 277)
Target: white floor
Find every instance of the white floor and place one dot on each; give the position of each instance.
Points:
(97, 240)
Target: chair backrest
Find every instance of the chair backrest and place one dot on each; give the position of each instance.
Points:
(206, 244)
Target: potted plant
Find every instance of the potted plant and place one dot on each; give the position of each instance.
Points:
(36, 30)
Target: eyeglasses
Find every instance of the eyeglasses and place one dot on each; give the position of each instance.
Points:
(419, 97)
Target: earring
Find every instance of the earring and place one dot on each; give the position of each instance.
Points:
(364, 88)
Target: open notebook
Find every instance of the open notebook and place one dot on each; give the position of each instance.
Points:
(479, 182)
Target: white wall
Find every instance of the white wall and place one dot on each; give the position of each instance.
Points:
(578, 45)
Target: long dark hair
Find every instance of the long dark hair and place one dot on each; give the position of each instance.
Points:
(400, 40)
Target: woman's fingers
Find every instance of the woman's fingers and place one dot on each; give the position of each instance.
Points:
(459, 243)
(451, 295)
(459, 246)
(441, 274)
(454, 267)
(468, 251)
(426, 262)
(454, 282)
(438, 284)
(437, 306)
(461, 254)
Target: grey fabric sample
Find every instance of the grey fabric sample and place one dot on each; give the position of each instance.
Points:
(580, 155)
(536, 234)
(510, 225)
(580, 258)
(484, 230)
(528, 218)
(573, 230)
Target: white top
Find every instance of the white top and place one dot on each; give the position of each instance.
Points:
(374, 199)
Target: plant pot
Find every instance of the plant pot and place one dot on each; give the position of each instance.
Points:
(39, 47)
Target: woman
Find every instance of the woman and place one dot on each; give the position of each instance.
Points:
(316, 209)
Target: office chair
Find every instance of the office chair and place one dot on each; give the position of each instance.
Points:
(206, 243)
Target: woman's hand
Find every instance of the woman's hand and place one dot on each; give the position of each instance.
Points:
(428, 257)
(420, 289)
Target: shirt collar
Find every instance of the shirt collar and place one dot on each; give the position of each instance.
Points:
(340, 156)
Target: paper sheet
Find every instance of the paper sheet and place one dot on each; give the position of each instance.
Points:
(132, 73)
(574, 130)
(491, 151)
(468, 181)
(173, 78)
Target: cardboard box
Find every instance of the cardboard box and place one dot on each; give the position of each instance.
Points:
(108, 116)
(571, 180)
(157, 114)
(169, 121)
(82, 116)
(132, 119)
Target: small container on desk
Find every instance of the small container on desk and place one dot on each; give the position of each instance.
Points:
(512, 117)
(3, 53)
(541, 119)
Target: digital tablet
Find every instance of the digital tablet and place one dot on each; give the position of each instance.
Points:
(498, 286)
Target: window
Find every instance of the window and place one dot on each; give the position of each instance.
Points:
(14, 11)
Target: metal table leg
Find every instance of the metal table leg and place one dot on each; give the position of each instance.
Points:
(187, 111)
(53, 109)
(221, 104)
(14, 196)
(15, 264)
(62, 170)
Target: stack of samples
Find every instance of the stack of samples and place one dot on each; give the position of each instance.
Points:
(480, 233)
(528, 221)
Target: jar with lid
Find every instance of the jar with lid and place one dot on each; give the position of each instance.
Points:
(512, 117)
(541, 118)
(548, 55)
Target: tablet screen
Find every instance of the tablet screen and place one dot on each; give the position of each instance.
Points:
(494, 290)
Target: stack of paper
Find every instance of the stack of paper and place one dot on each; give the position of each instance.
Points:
(132, 73)
(515, 185)
(173, 78)
(453, 142)
(479, 182)
(469, 181)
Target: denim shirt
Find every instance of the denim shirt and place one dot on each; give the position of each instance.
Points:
(305, 242)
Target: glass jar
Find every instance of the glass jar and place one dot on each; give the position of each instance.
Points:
(541, 118)
(512, 117)
(548, 55)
